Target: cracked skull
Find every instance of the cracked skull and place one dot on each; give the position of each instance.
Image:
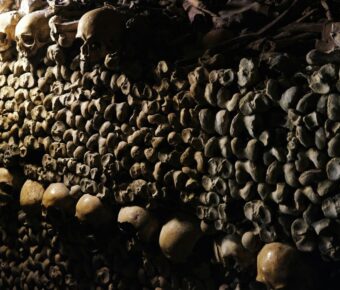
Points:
(102, 31)
(32, 33)
(280, 266)
(8, 22)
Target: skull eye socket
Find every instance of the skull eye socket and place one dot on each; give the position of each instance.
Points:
(27, 39)
(3, 36)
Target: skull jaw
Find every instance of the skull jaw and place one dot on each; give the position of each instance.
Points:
(90, 55)
(30, 51)
(56, 54)
(24, 52)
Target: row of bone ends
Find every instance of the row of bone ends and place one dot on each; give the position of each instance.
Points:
(31, 30)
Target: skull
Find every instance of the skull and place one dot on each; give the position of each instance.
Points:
(6, 186)
(90, 209)
(280, 266)
(8, 21)
(32, 33)
(63, 32)
(178, 237)
(98, 39)
(57, 195)
(143, 222)
(31, 195)
(28, 6)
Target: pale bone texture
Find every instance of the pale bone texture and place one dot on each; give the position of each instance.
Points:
(63, 31)
(8, 22)
(57, 195)
(280, 266)
(28, 6)
(178, 237)
(56, 3)
(102, 31)
(141, 220)
(6, 5)
(32, 32)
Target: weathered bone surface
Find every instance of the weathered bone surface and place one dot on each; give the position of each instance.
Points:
(97, 40)
(143, 163)
(6, 5)
(32, 32)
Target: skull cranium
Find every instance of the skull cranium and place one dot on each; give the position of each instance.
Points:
(8, 22)
(280, 266)
(32, 33)
(102, 31)
(28, 6)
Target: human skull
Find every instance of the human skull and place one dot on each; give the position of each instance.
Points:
(229, 251)
(91, 210)
(280, 266)
(31, 195)
(102, 32)
(8, 22)
(63, 32)
(6, 177)
(32, 33)
(57, 195)
(179, 236)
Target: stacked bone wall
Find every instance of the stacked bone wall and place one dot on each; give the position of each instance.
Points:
(239, 154)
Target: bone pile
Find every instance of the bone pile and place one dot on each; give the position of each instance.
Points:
(123, 170)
